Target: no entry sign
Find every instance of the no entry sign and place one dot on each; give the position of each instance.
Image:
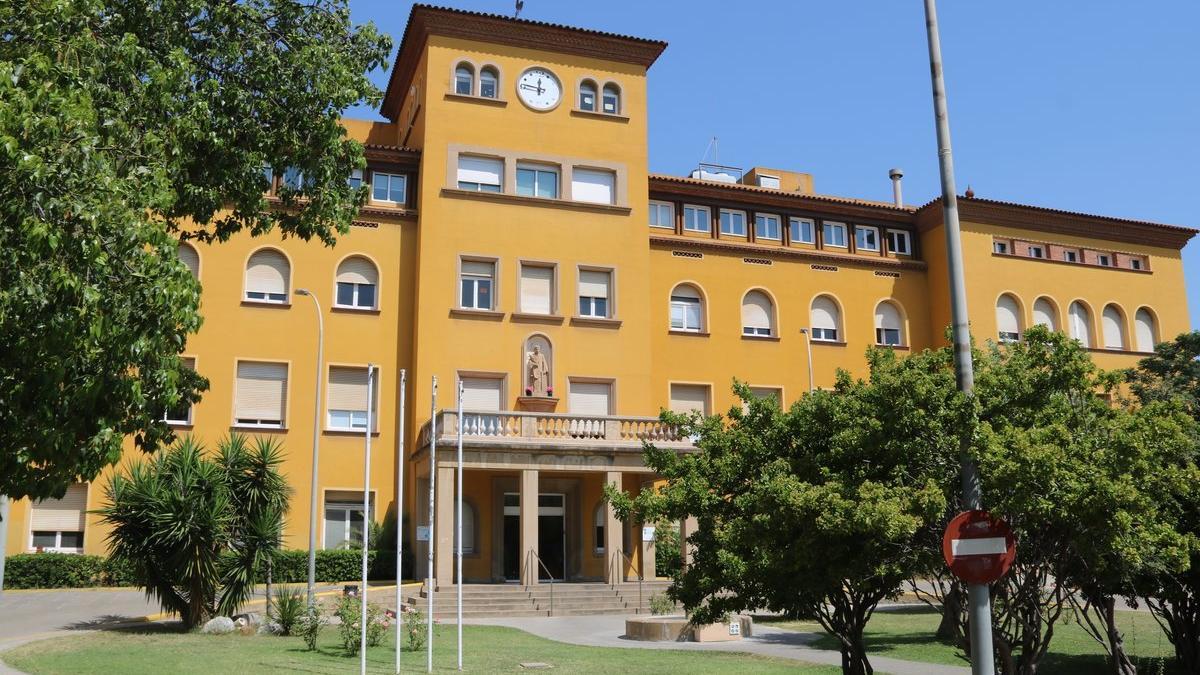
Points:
(978, 548)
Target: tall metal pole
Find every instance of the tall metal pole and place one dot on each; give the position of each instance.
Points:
(978, 600)
(362, 594)
(3, 537)
(459, 520)
(432, 480)
(400, 459)
(316, 436)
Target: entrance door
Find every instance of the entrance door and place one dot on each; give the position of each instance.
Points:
(552, 536)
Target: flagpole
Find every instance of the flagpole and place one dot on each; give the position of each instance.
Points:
(458, 524)
(400, 458)
(432, 480)
(362, 594)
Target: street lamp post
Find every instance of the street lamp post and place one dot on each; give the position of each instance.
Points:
(978, 600)
(316, 435)
(808, 345)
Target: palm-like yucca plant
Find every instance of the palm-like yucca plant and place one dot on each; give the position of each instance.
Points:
(195, 528)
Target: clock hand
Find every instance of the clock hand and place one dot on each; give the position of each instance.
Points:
(530, 87)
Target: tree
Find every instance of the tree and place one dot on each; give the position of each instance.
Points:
(194, 528)
(1173, 374)
(126, 125)
(823, 510)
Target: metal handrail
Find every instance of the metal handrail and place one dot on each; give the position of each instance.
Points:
(641, 578)
(549, 575)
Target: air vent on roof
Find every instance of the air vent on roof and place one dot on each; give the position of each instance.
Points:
(756, 261)
(890, 275)
(824, 268)
(687, 254)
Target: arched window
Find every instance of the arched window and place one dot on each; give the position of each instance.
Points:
(357, 280)
(612, 100)
(1114, 327)
(267, 274)
(889, 327)
(599, 522)
(826, 319)
(1008, 318)
(1081, 323)
(587, 96)
(189, 257)
(758, 314)
(1145, 329)
(687, 309)
(489, 82)
(468, 529)
(1044, 314)
(464, 79)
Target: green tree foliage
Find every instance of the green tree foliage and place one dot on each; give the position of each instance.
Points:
(194, 527)
(823, 510)
(125, 125)
(1173, 374)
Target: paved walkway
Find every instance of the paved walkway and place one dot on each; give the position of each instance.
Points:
(605, 631)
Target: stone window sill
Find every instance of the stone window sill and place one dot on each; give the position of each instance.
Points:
(595, 321)
(471, 98)
(763, 338)
(525, 317)
(689, 333)
(505, 198)
(345, 309)
(485, 314)
(613, 117)
(265, 303)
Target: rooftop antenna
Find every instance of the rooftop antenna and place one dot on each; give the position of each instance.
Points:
(715, 146)
(520, 6)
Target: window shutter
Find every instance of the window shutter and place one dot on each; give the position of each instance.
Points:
(537, 285)
(267, 272)
(357, 271)
(886, 316)
(1114, 332)
(756, 311)
(1080, 324)
(188, 255)
(590, 185)
(479, 170)
(688, 397)
(61, 515)
(1144, 329)
(1043, 314)
(482, 393)
(261, 390)
(589, 398)
(1007, 318)
(593, 284)
(347, 388)
(824, 313)
(477, 267)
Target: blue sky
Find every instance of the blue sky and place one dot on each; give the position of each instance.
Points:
(1091, 106)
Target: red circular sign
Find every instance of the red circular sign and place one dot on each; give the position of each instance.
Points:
(978, 548)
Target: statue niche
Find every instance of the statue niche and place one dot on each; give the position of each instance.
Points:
(537, 366)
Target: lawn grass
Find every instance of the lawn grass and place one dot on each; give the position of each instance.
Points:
(909, 634)
(487, 649)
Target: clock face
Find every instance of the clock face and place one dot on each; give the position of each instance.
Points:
(539, 89)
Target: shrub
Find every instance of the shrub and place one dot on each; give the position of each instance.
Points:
(661, 604)
(310, 624)
(668, 558)
(414, 630)
(52, 570)
(287, 609)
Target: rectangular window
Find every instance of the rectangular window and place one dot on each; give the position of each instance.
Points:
(479, 174)
(344, 519)
(766, 226)
(733, 222)
(685, 313)
(537, 180)
(662, 214)
(537, 289)
(1000, 247)
(834, 234)
(593, 185)
(899, 242)
(463, 81)
(594, 292)
(587, 99)
(293, 178)
(58, 524)
(1070, 256)
(765, 393)
(697, 218)
(261, 394)
(347, 399)
(356, 179)
(476, 279)
(1035, 252)
(589, 398)
(609, 101)
(768, 181)
(181, 413)
(388, 188)
(1103, 260)
(866, 238)
(686, 398)
(352, 294)
(802, 230)
(1135, 264)
(825, 334)
(887, 336)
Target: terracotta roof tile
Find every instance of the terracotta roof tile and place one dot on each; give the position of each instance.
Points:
(531, 22)
(1061, 212)
(779, 193)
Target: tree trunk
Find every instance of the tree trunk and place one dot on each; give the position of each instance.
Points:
(854, 658)
(950, 628)
(1187, 638)
(270, 564)
(1118, 659)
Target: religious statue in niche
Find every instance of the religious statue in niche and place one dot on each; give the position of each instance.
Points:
(538, 377)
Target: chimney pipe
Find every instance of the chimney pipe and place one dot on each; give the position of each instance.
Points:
(896, 175)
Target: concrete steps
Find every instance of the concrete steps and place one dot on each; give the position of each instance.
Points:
(512, 600)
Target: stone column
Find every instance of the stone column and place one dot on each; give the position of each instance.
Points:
(614, 564)
(529, 526)
(686, 527)
(443, 555)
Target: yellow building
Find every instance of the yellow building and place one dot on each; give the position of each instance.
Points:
(515, 243)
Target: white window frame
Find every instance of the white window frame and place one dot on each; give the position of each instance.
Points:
(352, 415)
(764, 220)
(470, 81)
(896, 236)
(588, 87)
(493, 188)
(599, 520)
(357, 178)
(354, 300)
(833, 226)
(860, 233)
(683, 302)
(796, 225)
(1103, 260)
(475, 279)
(376, 176)
(580, 185)
(656, 208)
(187, 422)
(1036, 251)
(608, 300)
(768, 181)
(707, 212)
(1135, 264)
(346, 508)
(615, 96)
(538, 170)
(1070, 256)
(730, 230)
(1000, 247)
(495, 82)
(58, 547)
